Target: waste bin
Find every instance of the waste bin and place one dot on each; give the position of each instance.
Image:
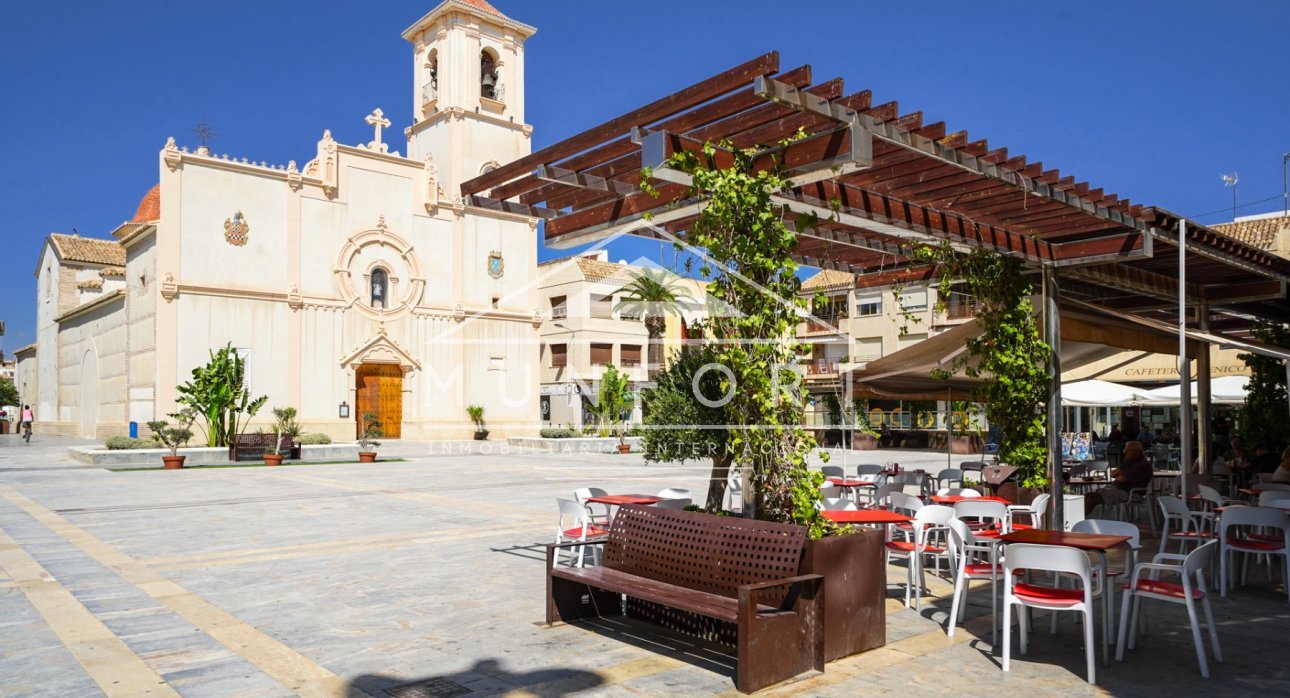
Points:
(134, 430)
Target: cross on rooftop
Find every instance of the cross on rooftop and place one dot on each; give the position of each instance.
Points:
(378, 121)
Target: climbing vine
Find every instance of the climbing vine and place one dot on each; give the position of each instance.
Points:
(749, 259)
(1009, 354)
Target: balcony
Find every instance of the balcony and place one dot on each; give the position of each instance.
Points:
(559, 312)
(958, 310)
(823, 325)
(429, 93)
(822, 367)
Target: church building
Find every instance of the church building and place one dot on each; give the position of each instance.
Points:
(357, 281)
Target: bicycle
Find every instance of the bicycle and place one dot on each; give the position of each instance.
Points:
(26, 432)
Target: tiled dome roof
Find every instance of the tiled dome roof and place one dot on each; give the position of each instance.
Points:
(149, 207)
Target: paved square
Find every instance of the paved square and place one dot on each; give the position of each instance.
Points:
(336, 580)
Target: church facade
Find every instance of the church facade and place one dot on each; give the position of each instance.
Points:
(355, 282)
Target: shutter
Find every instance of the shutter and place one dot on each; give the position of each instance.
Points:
(559, 355)
(868, 349)
(559, 307)
(631, 355)
(913, 298)
(602, 354)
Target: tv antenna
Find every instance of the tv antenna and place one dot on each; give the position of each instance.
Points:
(1230, 181)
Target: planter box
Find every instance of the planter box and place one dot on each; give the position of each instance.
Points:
(855, 616)
(576, 445)
(864, 442)
(149, 457)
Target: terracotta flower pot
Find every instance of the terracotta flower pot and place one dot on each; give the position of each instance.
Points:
(624, 448)
(273, 459)
(366, 456)
(173, 462)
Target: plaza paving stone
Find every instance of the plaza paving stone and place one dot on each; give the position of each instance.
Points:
(354, 579)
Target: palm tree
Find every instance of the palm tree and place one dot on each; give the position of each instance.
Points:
(653, 294)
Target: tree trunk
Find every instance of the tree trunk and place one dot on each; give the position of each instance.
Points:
(717, 485)
(654, 352)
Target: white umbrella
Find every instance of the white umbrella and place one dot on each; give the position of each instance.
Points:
(1096, 393)
(1228, 390)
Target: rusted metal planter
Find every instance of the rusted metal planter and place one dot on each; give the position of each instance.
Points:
(855, 617)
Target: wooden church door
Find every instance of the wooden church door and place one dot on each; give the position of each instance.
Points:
(380, 390)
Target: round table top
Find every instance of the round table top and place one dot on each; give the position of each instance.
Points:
(866, 516)
(956, 498)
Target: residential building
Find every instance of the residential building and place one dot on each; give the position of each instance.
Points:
(585, 329)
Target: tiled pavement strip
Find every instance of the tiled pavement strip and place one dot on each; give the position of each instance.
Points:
(347, 580)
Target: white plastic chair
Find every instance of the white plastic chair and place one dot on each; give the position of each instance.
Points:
(1268, 496)
(882, 495)
(1189, 590)
(836, 504)
(990, 518)
(575, 525)
(833, 471)
(1109, 527)
(582, 494)
(963, 547)
(1051, 558)
(868, 470)
(676, 503)
(929, 519)
(675, 493)
(949, 477)
(1036, 510)
(906, 504)
(1180, 524)
(958, 492)
(1234, 522)
(828, 491)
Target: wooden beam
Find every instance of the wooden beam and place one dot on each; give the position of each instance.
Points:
(675, 103)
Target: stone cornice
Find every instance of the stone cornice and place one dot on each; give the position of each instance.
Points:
(79, 310)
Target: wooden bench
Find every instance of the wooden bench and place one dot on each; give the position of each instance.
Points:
(253, 446)
(739, 572)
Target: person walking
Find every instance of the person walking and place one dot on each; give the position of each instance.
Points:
(26, 418)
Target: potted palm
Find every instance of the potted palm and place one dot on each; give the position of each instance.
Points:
(173, 436)
(615, 400)
(476, 413)
(284, 426)
(368, 434)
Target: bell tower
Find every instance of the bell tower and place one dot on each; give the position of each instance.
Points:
(468, 90)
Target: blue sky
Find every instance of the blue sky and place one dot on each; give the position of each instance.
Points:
(1151, 100)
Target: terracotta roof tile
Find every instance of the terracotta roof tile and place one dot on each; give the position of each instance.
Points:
(596, 270)
(74, 248)
(482, 6)
(829, 280)
(1260, 232)
(149, 207)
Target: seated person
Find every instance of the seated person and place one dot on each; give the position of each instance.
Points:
(1263, 460)
(1282, 473)
(1135, 472)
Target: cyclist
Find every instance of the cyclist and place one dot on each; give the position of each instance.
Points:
(26, 418)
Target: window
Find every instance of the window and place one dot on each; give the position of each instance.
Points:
(430, 89)
(602, 354)
(487, 74)
(496, 363)
(914, 298)
(559, 355)
(496, 300)
(869, 303)
(602, 307)
(909, 340)
(868, 348)
(380, 288)
(559, 307)
(631, 354)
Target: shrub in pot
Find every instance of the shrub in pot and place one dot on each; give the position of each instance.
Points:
(369, 432)
(173, 436)
(284, 425)
(476, 413)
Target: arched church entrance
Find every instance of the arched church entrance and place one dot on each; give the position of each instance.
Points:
(379, 389)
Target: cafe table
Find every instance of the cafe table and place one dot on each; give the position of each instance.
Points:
(851, 484)
(618, 500)
(952, 499)
(866, 516)
(1089, 542)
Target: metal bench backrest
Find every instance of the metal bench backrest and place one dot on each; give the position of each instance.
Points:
(700, 551)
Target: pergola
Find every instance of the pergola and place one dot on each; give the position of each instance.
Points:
(881, 182)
